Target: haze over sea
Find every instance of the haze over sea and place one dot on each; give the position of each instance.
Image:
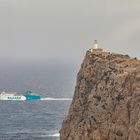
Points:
(36, 120)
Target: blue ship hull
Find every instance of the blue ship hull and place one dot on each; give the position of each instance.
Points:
(29, 96)
(32, 97)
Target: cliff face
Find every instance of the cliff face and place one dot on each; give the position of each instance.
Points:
(106, 102)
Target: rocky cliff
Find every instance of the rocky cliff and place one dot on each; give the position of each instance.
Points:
(106, 102)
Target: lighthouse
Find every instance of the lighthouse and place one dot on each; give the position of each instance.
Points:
(95, 45)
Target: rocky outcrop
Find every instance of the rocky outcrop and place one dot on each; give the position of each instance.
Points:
(106, 102)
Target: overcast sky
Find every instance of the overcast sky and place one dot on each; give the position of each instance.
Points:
(41, 30)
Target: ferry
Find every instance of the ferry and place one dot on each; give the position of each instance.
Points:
(18, 96)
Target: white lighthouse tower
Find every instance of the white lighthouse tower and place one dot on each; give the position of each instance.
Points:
(95, 47)
(95, 44)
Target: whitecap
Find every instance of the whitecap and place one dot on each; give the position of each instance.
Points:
(54, 135)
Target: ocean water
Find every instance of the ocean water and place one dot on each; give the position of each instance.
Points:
(36, 120)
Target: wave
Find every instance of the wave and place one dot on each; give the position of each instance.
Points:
(54, 135)
(57, 99)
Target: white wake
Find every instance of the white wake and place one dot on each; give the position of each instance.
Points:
(56, 99)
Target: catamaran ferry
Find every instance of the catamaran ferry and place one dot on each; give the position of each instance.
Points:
(18, 96)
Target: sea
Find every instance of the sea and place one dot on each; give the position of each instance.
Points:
(36, 120)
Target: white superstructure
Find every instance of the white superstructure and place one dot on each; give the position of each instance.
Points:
(11, 96)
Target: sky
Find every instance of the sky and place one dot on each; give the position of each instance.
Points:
(46, 30)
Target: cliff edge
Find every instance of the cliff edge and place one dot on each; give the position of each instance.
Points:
(106, 102)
